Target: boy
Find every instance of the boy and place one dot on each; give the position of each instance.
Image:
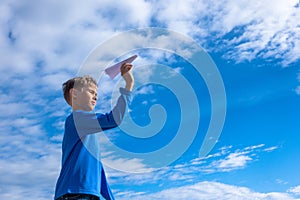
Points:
(82, 176)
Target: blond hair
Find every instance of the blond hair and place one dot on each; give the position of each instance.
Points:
(78, 83)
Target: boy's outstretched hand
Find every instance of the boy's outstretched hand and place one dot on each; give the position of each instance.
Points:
(126, 72)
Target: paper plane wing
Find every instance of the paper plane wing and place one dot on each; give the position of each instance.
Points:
(114, 70)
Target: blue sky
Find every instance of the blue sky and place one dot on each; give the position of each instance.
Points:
(255, 48)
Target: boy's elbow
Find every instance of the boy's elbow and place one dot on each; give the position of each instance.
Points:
(118, 120)
(114, 120)
(118, 116)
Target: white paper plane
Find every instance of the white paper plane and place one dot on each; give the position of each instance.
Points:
(115, 69)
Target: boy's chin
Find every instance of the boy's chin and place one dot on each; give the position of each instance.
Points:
(89, 109)
(92, 108)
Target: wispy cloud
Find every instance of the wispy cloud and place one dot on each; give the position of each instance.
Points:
(208, 191)
(228, 159)
(270, 149)
(268, 29)
(233, 161)
(28, 157)
(145, 90)
(225, 160)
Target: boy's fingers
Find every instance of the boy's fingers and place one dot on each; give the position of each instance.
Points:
(126, 67)
(129, 67)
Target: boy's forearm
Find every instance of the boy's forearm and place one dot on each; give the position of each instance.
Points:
(129, 86)
(121, 105)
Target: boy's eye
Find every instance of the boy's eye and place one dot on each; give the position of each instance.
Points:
(93, 92)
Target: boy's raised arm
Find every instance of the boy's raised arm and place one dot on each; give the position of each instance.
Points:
(126, 72)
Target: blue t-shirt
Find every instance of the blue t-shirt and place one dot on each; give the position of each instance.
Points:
(82, 172)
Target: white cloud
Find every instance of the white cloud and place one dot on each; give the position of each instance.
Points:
(60, 34)
(295, 190)
(181, 15)
(54, 81)
(40, 173)
(28, 158)
(265, 29)
(130, 165)
(43, 43)
(270, 30)
(233, 161)
(12, 109)
(208, 191)
(279, 181)
(125, 13)
(62, 40)
(145, 90)
(225, 160)
(270, 149)
(254, 147)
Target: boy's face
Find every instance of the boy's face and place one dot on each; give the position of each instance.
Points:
(85, 99)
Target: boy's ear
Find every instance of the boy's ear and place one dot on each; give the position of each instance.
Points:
(73, 92)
